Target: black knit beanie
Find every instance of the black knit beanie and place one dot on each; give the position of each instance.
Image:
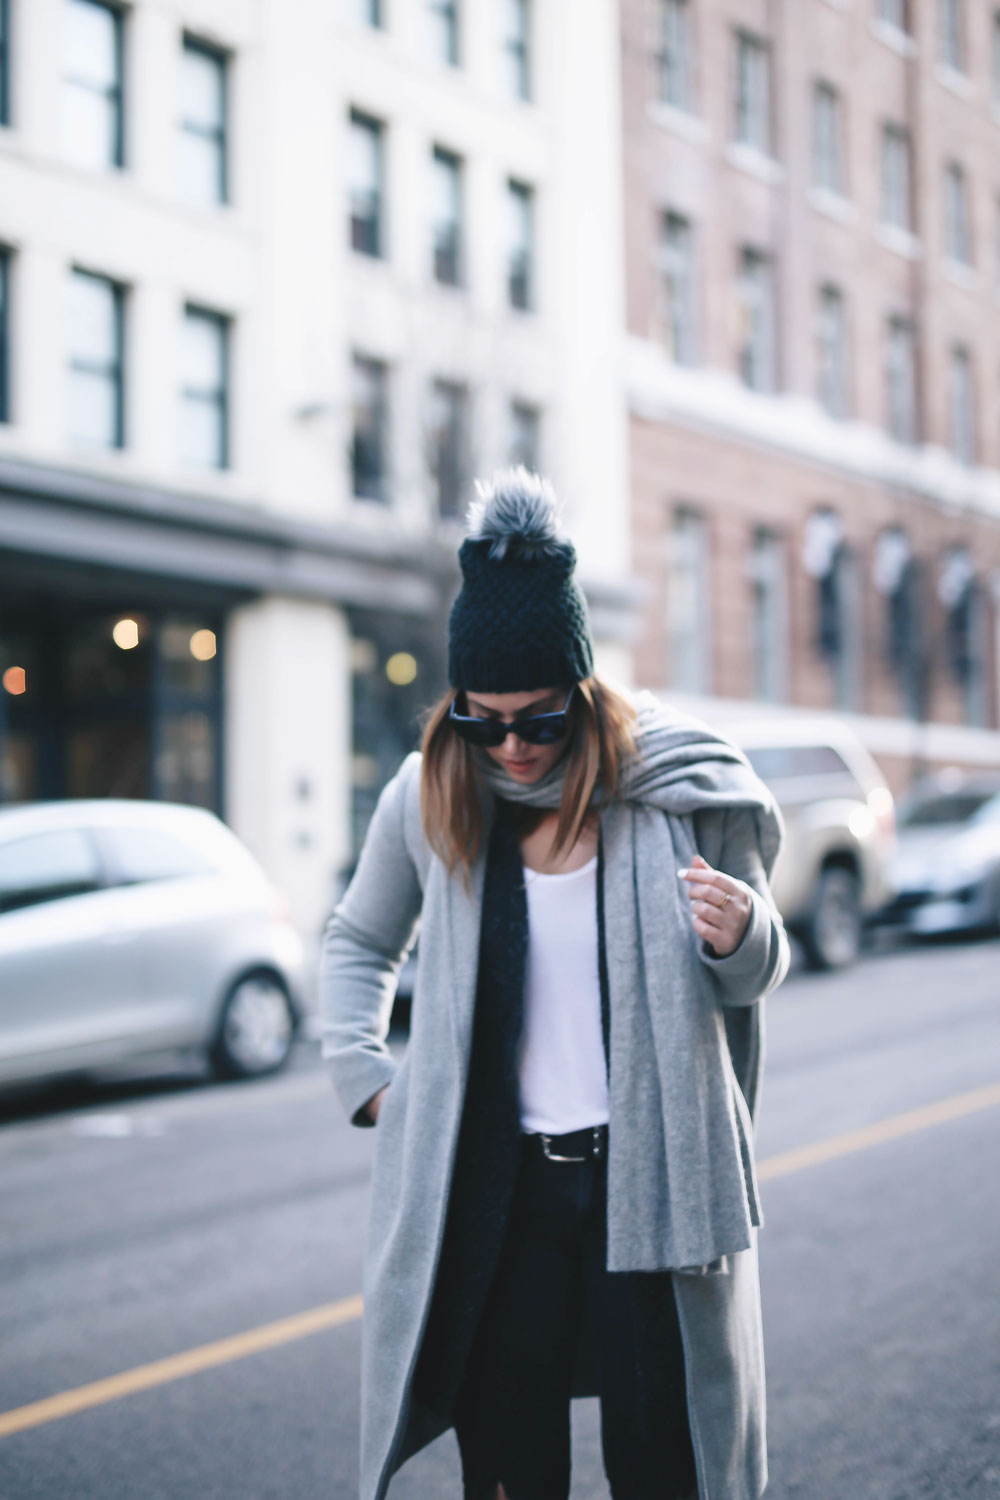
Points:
(520, 621)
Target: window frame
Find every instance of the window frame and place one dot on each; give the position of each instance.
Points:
(222, 401)
(961, 404)
(519, 51)
(521, 294)
(441, 156)
(363, 365)
(359, 119)
(117, 376)
(753, 103)
(901, 334)
(837, 405)
(192, 44)
(675, 55)
(116, 95)
(446, 14)
(677, 267)
(762, 301)
(896, 152)
(828, 162)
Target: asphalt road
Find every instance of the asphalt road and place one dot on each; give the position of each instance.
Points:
(140, 1222)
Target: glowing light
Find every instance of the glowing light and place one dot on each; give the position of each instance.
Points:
(202, 645)
(126, 634)
(14, 681)
(861, 822)
(401, 668)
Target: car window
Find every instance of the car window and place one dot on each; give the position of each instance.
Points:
(47, 867)
(137, 855)
(947, 807)
(989, 812)
(782, 762)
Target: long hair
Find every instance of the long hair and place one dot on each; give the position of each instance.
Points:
(452, 793)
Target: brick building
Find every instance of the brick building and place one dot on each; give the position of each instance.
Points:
(812, 193)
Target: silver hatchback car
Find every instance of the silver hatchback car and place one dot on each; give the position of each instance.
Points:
(134, 928)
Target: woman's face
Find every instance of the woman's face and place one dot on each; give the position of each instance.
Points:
(526, 763)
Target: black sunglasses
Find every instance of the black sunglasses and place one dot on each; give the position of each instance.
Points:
(534, 729)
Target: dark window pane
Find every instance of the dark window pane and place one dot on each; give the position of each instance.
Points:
(4, 332)
(447, 217)
(46, 867)
(448, 440)
(521, 263)
(369, 457)
(365, 184)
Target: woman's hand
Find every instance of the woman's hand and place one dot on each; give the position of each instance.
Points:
(375, 1102)
(720, 906)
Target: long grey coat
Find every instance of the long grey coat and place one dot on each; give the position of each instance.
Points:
(366, 940)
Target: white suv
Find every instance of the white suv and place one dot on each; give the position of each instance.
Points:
(833, 869)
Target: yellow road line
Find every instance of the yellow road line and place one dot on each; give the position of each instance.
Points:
(222, 1352)
(348, 1309)
(883, 1130)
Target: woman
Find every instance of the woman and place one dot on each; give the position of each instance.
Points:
(563, 1196)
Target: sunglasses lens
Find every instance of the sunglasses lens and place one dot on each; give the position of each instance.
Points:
(479, 731)
(544, 731)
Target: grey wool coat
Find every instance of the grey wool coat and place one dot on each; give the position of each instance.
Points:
(372, 929)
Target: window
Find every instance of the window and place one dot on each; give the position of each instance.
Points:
(524, 446)
(95, 407)
(996, 58)
(205, 389)
(894, 13)
(996, 268)
(520, 269)
(448, 445)
(901, 380)
(443, 15)
(952, 37)
(675, 58)
(136, 856)
(366, 170)
(92, 65)
(768, 615)
(517, 48)
(369, 430)
(447, 217)
(757, 344)
(833, 565)
(752, 93)
(678, 286)
(799, 762)
(958, 235)
(4, 62)
(47, 867)
(896, 177)
(828, 152)
(688, 613)
(961, 406)
(203, 123)
(831, 361)
(4, 335)
(369, 13)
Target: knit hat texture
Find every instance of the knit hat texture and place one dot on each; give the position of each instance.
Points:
(520, 620)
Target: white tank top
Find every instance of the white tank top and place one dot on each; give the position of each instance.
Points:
(562, 1073)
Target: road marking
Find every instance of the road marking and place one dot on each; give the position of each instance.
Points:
(348, 1309)
(883, 1130)
(177, 1366)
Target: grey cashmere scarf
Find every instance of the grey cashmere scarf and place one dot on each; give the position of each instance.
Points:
(681, 1186)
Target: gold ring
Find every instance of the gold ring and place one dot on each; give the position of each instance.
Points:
(726, 898)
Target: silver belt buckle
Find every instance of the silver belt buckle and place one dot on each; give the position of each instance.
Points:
(551, 1155)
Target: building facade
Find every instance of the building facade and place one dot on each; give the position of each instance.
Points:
(277, 278)
(813, 282)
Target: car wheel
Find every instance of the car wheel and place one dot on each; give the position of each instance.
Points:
(256, 1028)
(832, 935)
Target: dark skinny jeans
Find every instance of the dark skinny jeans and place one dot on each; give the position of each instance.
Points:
(513, 1422)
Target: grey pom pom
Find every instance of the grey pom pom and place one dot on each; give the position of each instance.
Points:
(517, 511)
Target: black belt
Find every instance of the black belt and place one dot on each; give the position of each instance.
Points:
(589, 1144)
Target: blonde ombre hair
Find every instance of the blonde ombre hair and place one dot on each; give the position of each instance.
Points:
(601, 737)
